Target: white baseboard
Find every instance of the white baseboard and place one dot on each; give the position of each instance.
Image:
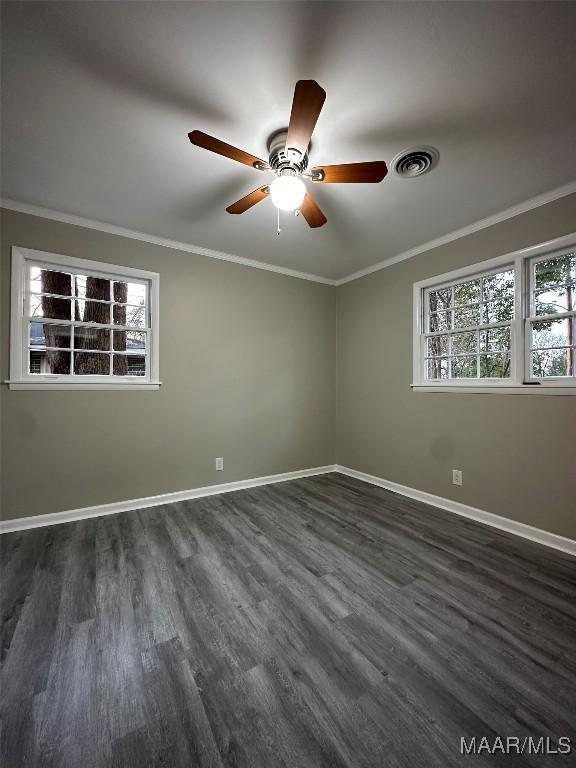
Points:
(538, 535)
(38, 521)
(488, 518)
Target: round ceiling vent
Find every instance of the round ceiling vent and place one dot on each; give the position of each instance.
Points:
(415, 162)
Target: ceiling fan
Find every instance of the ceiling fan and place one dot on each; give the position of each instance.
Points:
(288, 159)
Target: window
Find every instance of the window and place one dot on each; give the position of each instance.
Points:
(508, 323)
(552, 321)
(81, 324)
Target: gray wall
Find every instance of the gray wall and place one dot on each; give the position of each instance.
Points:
(247, 361)
(249, 370)
(518, 453)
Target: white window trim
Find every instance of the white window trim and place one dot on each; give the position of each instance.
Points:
(19, 330)
(517, 383)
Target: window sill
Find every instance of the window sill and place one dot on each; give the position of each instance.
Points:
(84, 385)
(497, 389)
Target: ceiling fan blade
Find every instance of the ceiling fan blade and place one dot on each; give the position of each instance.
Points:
(306, 106)
(249, 200)
(311, 212)
(350, 173)
(212, 144)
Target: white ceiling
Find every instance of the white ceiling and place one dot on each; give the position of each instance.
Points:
(98, 99)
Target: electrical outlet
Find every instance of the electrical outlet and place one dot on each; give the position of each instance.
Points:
(219, 464)
(456, 477)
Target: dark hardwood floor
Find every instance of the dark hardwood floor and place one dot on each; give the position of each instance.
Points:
(320, 622)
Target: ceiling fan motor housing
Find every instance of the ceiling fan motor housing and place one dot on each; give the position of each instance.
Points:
(282, 157)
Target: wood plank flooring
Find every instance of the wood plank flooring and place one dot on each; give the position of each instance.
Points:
(320, 623)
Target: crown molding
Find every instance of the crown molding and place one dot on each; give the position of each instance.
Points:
(112, 229)
(496, 218)
(489, 221)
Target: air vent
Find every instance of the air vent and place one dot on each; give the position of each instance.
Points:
(415, 162)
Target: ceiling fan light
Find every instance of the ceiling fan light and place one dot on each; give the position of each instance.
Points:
(287, 192)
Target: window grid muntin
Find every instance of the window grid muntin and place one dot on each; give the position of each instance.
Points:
(72, 323)
(532, 317)
(476, 328)
(43, 294)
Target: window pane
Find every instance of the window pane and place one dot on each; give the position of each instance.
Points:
(49, 361)
(36, 362)
(36, 335)
(91, 338)
(129, 340)
(50, 281)
(129, 365)
(466, 316)
(92, 312)
(439, 300)
(49, 335)
(552, 333)
(134, 317)
(497, 287)
(498, 310)
(498, 297)
(495, 339)
(91, 364)
(464, 368)
(561, 269)
(130, 293)
(438, 368)
(120, 314)
(496, 366)
(437, 346)
(464, 342)
(467, 293)
(555, 300)
(44, 306)
(92, 287)
(552, 362)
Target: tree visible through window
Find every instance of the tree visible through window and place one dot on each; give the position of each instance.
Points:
(511, 320)
(77, 322)
(100, 333)
(468, 328)
(553, 320)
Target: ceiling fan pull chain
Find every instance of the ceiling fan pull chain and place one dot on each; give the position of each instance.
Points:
(278, 230)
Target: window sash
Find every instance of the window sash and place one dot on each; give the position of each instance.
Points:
(84, 324)
(128, 352)
(530, 348)
(454, 330)
(477, 358)
(73, 297)
(72, 323)
(79, 377)
(531, 317)
(470, 328)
